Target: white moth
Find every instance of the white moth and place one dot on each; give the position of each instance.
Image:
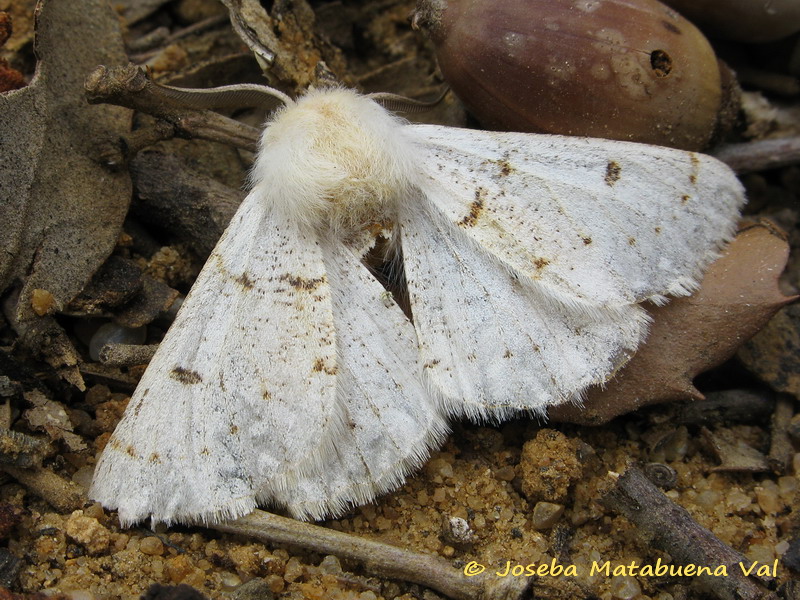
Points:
(291, 378)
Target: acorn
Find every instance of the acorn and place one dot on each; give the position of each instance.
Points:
(743, 20)
(619, 69)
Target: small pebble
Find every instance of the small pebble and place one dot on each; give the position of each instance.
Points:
(625, 587)
(88, 532)
(456, 531)
(255, 589)
(787, 487)
(330, 564)
(767, 497)
(506, 473)
(293, 571)
(229, 581)
(151, 546)
(546, 514)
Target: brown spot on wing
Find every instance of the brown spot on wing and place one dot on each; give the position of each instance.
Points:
(695, 168)
(155, 458)
(475, 209)
(185, 376)
(540, 263)
(301, 283)
(685, 198)
(244, 281)
(505, 167)
(587, 240)
(320, 367)
(613, 171)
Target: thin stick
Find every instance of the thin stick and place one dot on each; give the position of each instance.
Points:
(780, 448)
(750, 157)
(130, 87)
(62, 494)
(125, 355)
(378, 558)
(669, 527)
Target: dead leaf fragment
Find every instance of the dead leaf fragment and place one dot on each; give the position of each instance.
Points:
(733, 454)
(51, 417)
(61, 210)
(690, 335)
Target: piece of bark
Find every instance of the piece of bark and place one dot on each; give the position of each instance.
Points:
(115, 283)
(61, 210)
(772, 354)
(47, 340)
(152, 301)
(726, 407)
(51, 417)
(738, 296)
(780, 448)
(669, 527)
(191, 205)
(20, 450)
(273, 39)
(63, 495)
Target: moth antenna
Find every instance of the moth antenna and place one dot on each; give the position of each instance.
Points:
(226, 96)
(397, 103)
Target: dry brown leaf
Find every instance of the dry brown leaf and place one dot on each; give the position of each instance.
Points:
(61, 210)
(690, 335)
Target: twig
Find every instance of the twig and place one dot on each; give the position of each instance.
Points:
(378, 558)
(130, 87)
(669, 527)
(759, 156)
(162, 37)
(62, 494)
(729, 406)
(780, 448)
(777, 83)
(125, 355)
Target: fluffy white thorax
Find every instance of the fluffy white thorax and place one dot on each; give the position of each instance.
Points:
(334, 159)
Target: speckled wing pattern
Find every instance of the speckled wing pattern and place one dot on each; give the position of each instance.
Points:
(392, 422)
(240, 398)
(596, 221)
(526, 257)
